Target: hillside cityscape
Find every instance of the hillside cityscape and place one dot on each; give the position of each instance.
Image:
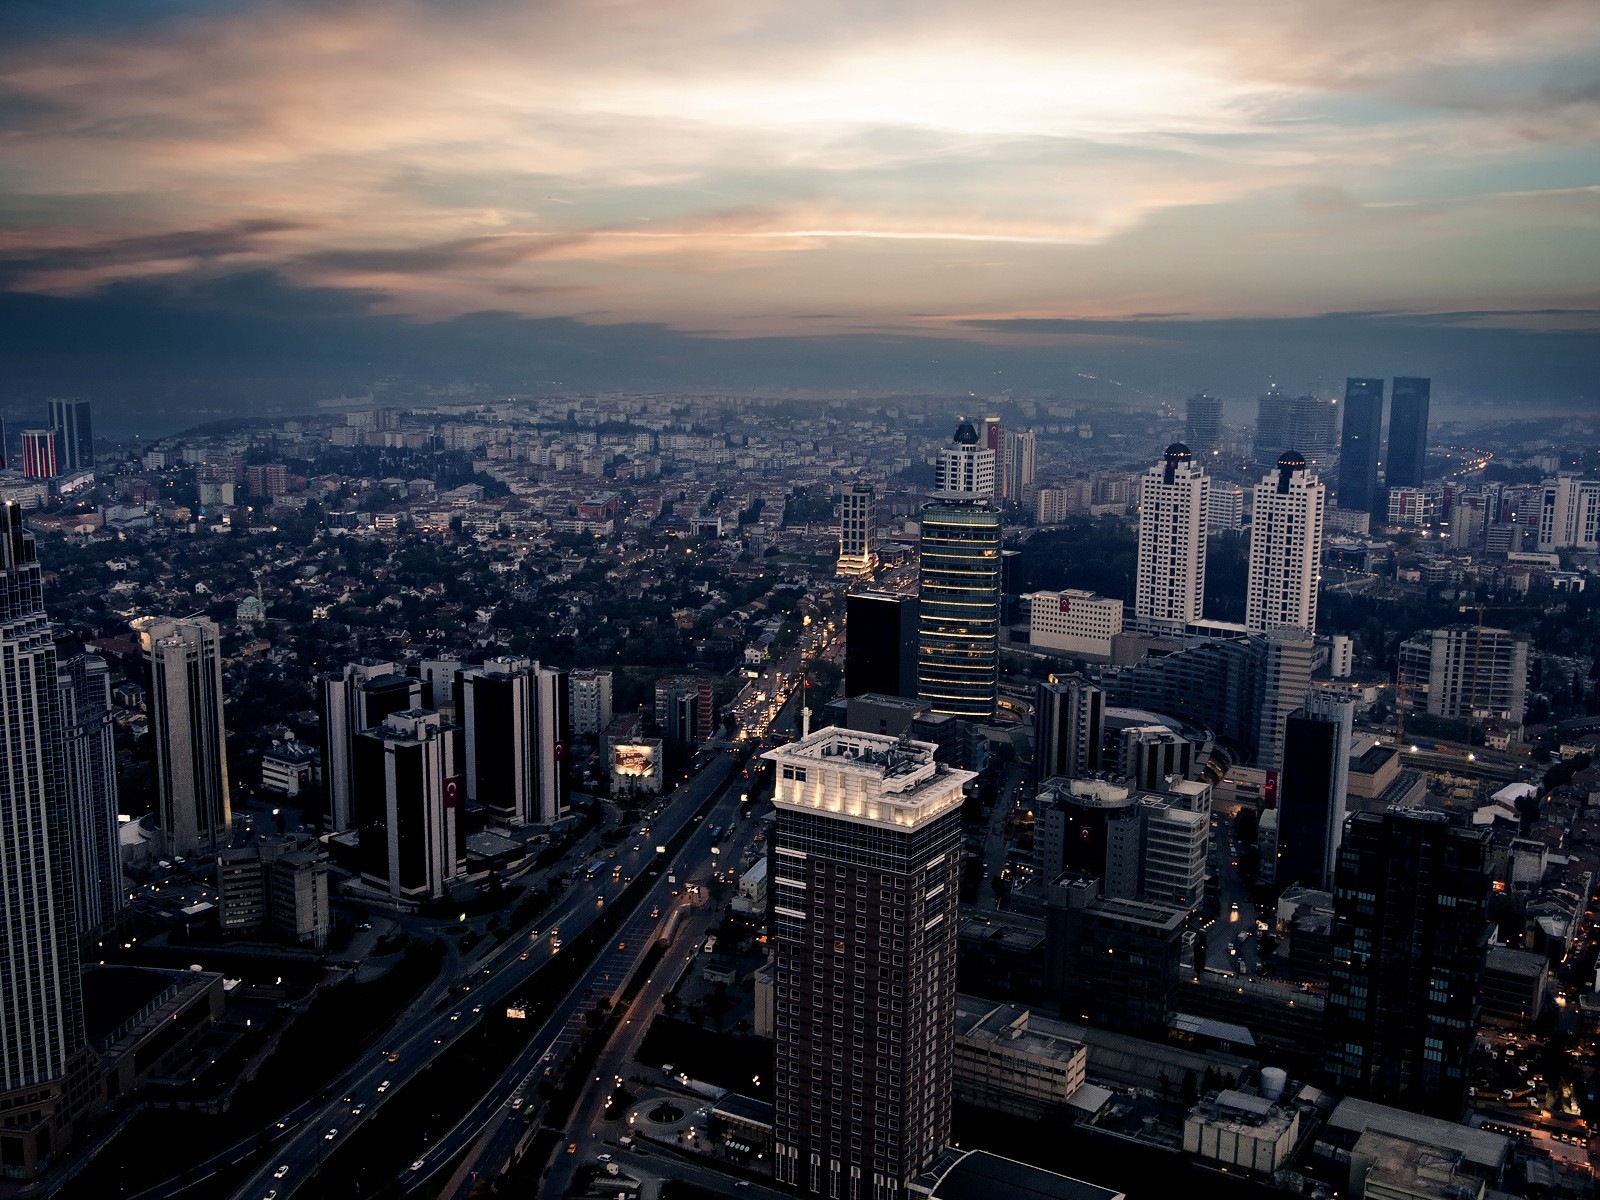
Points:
(670, 795)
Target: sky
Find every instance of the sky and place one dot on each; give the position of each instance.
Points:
(1012, 194)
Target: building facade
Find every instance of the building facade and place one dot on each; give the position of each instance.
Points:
(1462, 671)
(1202, 423)
(512, 715)
(1311, 793)
(355, 699)
(39, 458)
(183, 668)
(74, 434)
(958, 608)
(966, 467)
(589, 700)
(1407, 461)
(1569, 514)
(1021, 463)
(858, 529)
(1074, 622)
(406, 803)
(880, 645)
(1409, 934)
(1174, 515)
(1359, 444)
(89, 777)
(1286, 548)
(866, 866)
(1068, 728)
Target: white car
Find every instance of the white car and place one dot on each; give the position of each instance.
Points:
(330, 1135)
(281, 1171)
(417, 1166)
(602, 1158)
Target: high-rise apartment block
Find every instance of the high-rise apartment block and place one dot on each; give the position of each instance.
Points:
(1273, 421)
(589, 698)
(1314, 429)
(74, 433)
(1410, 930)
(1068, 728)
(1226, 511)
(684, 709)
(880, 644)
(1362, 437)
(1407, 462)
(1569, 514)
(1286, 548)
(513, 719)
(183, 667)
(966, 467)
(1174, 510)
(866, 866)
(352, 700)
(39, 459)
(406, 802)
(958, 609)
(858, 529)
(1020, 465)
(1463, 671)
(89, 778)
(41, 1007)
(1203, 423)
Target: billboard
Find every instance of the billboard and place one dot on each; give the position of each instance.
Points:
(635, 758)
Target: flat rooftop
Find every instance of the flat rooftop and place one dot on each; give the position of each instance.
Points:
(979, 1175)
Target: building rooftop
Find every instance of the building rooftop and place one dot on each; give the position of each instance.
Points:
(867, 777)
(1007, 1025)
(979, 1175)
(1487, 1151)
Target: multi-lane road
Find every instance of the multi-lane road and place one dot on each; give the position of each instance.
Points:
(307, 1136)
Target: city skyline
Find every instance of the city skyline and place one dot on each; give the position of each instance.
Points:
(716, 195)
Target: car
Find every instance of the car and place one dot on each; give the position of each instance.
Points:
(533, 933)
(622, 945)
(555, 944)
(438, 1041)
(330, 1135)
(655, 911)
(523, 957)
(383, 1087)
(599, 901)
(603, 1158)
(417, 1166)
(477, 1008)
(572, 1147)
(281, 1171)
(272, 1194)
(283, 1124)
(455, 1016)
(394, 1056)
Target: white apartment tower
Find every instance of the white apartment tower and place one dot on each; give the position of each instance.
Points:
(858, 529)
(1174, 512)
(1286, 548)
(1021, 459)
(589, 698)
(1569, 514)
(966, 467)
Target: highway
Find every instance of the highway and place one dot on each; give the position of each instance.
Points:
(308, 1135)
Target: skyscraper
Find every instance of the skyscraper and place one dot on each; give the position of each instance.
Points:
(1407, 463)
(1273, 411)
(1314, 429)
(1311, 793)
(858, 529)
(89, 777)
(966, 468)
(69, 421)
(1068, 728)
(865, 880)
(356, 698)
(1569, 514)
(880, 644)
(1410, 928)
(1358, 447)
(183, 664)
(406, 802)
(958, 639)
(1174, 507)
(1203, 423)
(1020, 461)
(512, 713)
(39, 454)
(1285, 665)
(589, 700)
(1286, 548)
(41, 1006)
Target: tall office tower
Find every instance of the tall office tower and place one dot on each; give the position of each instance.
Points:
(880, 644)
(69, 421)
(1174, 511)
(39, 454)
(1359, 445)
(406, 801)
(589, 700)
(1021, 462)
(1569, 514)
(866, 870)
(1462, 671)
(684, 709)
(958, 610)
(1410, 928)
(356, 698)
(1285, 678)
(1314, 429)
(89, 775)
(1203, 423)
(512, 714)
(183, 665)
(1286, 548)
(858, 529)
(966, 469)
(1174, 838)
(1311, 793)
(1068, 728)
(41, 1005)
(1407, 463)
(1273, 420)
